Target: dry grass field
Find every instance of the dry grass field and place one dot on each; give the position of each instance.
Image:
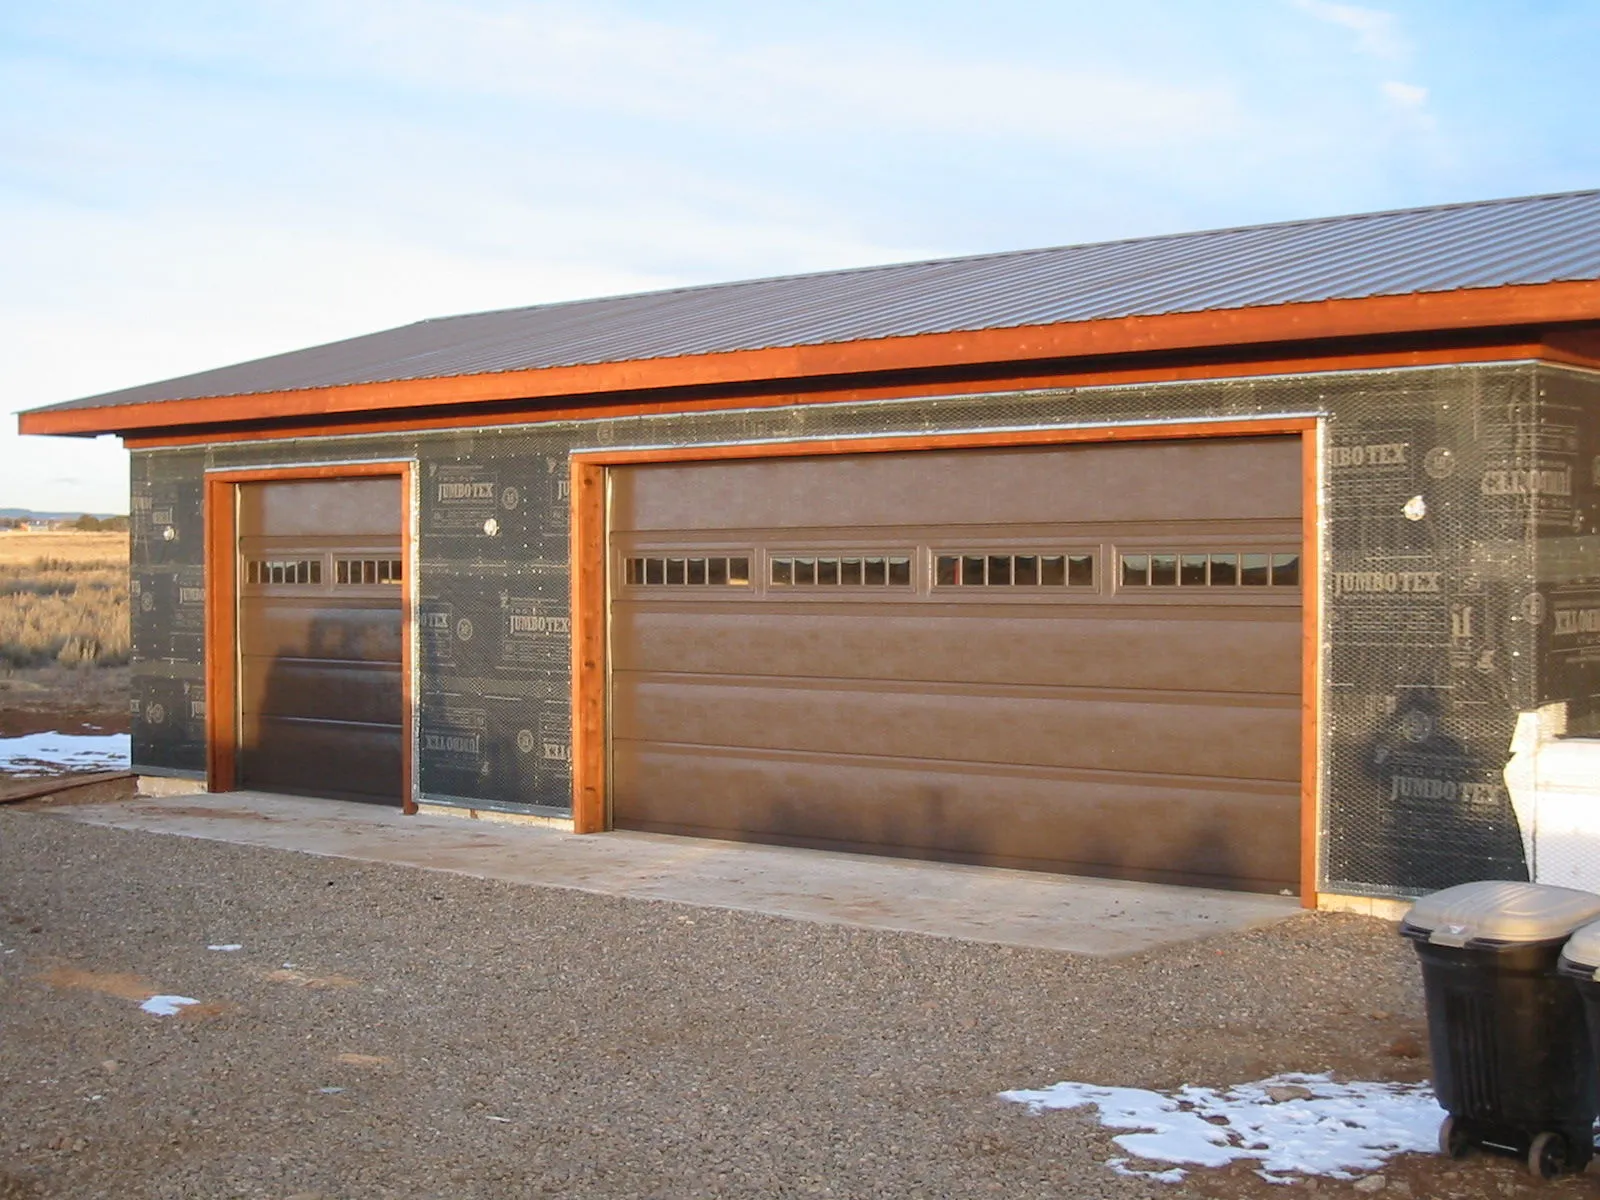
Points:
(64, 599)
(64, 632)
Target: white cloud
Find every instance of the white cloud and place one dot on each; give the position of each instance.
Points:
(1406, 95)
(604, 59)
(1377, 32)
(1410, 102)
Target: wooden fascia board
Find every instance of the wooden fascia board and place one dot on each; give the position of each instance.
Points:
(1131, 370)
(1431, 312)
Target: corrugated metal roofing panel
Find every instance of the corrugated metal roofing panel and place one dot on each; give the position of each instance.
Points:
(1539, 239)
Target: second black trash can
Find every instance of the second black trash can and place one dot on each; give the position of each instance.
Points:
(1511, 1059)
(1580, 962)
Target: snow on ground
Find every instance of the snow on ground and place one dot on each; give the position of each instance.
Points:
(167, 1006)
(228, 947)
(1290, 1124)
(47, 753)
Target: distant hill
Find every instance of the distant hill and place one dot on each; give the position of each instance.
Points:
(28, 514)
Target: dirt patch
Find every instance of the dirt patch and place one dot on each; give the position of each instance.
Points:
(362, 1060)
(204, 1011)
(106, 983)
(65, 700)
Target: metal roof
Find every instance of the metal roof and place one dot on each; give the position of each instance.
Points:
(1532, 240)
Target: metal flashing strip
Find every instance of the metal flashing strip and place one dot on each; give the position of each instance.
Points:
(1588, 374)
(919, 435)
(396, 461)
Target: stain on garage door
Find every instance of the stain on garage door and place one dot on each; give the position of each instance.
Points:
(1081, 658)
(320, 638)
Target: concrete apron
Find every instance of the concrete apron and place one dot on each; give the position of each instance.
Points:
(979, 904)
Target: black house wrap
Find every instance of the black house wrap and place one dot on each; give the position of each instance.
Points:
(1460, 587)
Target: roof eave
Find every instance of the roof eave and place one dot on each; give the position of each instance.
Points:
(1525, 305)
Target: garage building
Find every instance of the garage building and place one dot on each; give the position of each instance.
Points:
(1260, 558)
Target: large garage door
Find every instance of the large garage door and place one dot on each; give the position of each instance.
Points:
(1081, 659)
(320, 638)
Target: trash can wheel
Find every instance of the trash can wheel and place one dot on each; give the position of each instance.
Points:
(1547, 1155)
(1455, 1140)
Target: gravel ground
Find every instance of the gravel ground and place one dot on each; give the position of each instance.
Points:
(439, 1036)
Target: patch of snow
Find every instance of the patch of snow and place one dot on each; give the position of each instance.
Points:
(1121, 1167)
(1339, 1129)
(167, 1006)
(40, 754)
(228, 946)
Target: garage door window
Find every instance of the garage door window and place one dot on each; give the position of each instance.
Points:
(827, 570)
(1044, 569)
(651, 570)
(352, 571)
(280, 570)
(1216, 569)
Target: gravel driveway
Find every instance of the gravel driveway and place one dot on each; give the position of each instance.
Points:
(388, 1032)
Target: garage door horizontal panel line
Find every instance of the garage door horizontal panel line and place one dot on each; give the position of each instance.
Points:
(1227, 752)
(274, 598)
(1128, 606)
(1001, 532)
(983, 689)
(287, 661)
(379, 726)
(1288, 789)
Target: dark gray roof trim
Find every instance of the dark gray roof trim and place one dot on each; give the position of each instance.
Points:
(1540, 239)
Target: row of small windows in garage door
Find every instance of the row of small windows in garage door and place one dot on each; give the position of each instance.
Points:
(1043, 570)
(347, 572)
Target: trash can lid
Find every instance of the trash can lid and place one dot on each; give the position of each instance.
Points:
(1501, 912)
(1584, 948)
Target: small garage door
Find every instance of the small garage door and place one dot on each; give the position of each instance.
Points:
(1081, 659)
(320, 638)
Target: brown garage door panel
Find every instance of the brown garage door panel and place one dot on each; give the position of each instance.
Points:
(317, 758)
(1134, 724)
(1196, 480)
(341, 510)
(318, 690)
(366, 630)
(1249, 650)
(1222, 738)
(319, 673)
(1224, 837)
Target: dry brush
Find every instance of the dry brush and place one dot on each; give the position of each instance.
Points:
(69, 606)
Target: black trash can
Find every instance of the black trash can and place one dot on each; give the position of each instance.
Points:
(1580, 962)
(1511, 1059)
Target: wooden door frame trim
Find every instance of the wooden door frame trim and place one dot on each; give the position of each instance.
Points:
(590, 594)
(220, 506)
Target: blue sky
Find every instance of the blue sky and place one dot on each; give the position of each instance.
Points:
(184, 185)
